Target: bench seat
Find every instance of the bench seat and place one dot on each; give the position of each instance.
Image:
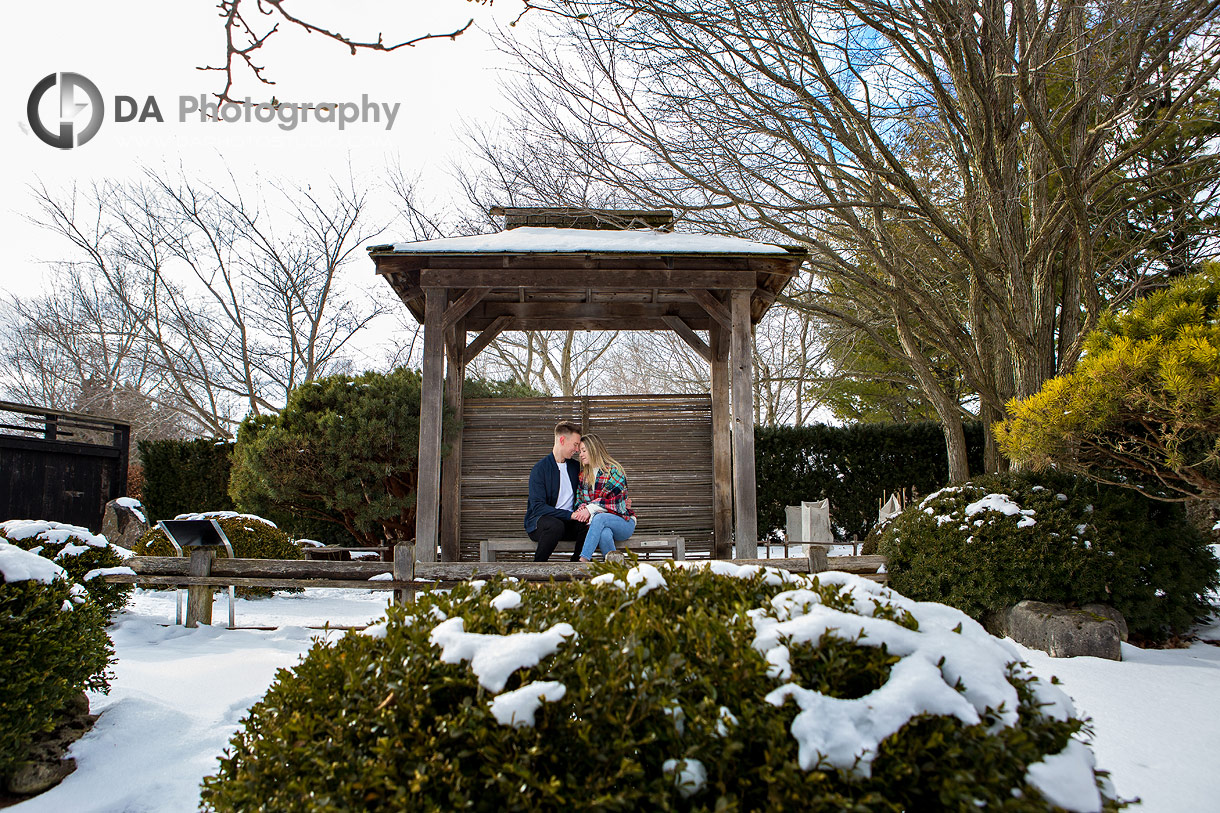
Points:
(673, 547)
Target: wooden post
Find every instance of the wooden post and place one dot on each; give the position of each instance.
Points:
(122, 440)
(818, 562)
(745, 497)
(427, 502)
(199, 596)
(451, 470)
(404, 571)
(722, 457)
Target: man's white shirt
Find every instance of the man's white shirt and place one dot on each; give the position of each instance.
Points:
(565, 487)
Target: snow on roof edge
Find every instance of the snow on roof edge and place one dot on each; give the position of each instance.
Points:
(549, 240)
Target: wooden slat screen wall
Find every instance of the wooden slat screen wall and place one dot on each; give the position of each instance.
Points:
(664, 442)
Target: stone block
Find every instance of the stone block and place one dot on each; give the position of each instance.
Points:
(1063, 632)
(124, 522)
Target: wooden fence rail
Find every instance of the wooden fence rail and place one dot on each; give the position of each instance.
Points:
(201, 572)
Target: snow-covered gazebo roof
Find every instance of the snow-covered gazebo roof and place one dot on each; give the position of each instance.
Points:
(590, 279)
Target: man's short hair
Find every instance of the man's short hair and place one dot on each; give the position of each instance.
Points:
(568, 428)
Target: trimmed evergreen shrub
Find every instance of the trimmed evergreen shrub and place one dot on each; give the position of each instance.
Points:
(78, 551)
(184, 476)
(853, 466)
(343, 452)
(1055, 538)
(54, 645)
(684, 688)
(252, 537)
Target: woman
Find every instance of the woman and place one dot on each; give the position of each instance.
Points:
(601, 499)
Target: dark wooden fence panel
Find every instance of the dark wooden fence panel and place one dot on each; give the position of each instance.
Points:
(663, 441)
(44, 475)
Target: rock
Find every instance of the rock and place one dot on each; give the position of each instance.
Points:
(124, 522)
(1064, 633)
(35, 776)
(1106, 611)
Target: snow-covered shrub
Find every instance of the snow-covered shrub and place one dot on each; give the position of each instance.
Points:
(987, 544)
(84, 555)
(694, 688)
(53, 644)
(252, 537)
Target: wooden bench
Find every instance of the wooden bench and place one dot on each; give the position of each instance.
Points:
(340, 553)
(673, 547)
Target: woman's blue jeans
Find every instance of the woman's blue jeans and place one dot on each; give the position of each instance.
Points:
(604, 530)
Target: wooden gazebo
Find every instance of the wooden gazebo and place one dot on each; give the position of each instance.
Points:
(577, 269)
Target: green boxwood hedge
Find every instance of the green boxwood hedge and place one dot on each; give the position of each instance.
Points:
(252, 537)
(54, 644)
(185, 476)
(77, 551)
(1063, 540)
(672, 689)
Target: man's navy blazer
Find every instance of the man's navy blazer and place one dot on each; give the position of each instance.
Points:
(544, 490)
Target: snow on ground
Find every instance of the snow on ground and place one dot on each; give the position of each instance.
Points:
(1156, 720)
(178, 696)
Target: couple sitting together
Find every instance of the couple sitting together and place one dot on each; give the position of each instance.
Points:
(585, 503)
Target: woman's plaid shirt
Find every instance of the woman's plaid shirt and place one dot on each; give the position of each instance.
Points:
(609, 491)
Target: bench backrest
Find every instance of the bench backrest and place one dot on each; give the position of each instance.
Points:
(664, 442)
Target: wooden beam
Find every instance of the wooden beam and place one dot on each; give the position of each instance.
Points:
(577, 323)
(623, 310)
(485, 338)
(427, 503)
(745, 496)
(634, 279)
(462, 305)
(714, 307)
(451, 471)
(722, 446)
(689, 336)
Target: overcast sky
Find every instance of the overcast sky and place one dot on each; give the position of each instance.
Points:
(143, 48)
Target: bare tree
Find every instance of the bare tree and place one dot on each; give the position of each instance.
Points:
(561, 362)
(948, 163)
(642, 362)
(229, 312)
(788, 353)
(77, 350)
(250, 24)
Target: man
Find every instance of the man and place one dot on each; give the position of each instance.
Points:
(553, 481)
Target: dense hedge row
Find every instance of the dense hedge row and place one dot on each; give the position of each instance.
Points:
(853, 466)
(191, 476)
(987, 544)
(185, 476)
(656, 689)
(55, 645)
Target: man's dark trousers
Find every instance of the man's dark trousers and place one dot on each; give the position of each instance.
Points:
(553, 530)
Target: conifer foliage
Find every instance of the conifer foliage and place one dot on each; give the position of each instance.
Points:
(1142, 409)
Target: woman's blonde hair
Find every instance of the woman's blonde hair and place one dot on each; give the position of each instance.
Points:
(599, 458)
